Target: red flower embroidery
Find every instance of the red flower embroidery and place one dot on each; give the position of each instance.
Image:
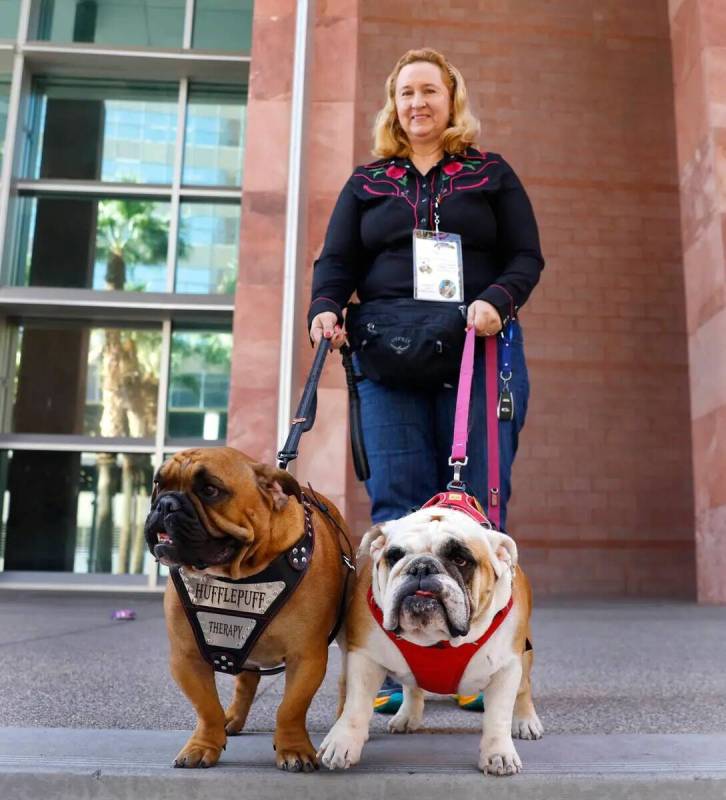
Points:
(395, 172)
(452, 168)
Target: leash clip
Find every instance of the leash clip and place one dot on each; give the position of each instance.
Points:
(348, 563)
(456, 483)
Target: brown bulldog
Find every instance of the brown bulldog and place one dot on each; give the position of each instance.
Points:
(222, 517)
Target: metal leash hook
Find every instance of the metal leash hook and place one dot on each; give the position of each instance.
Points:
(456, 484)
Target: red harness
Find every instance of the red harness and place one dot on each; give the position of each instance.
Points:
(439, 667)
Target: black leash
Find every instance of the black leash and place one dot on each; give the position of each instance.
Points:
(348, 560)
(304, 418)
(301, 423)
(357, 445)
(305, 415)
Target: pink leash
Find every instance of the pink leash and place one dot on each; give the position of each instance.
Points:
(458, 458)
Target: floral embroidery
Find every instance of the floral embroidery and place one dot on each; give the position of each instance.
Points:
(389, 178)
(395, 172)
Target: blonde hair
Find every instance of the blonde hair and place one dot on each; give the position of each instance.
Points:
(389, 138)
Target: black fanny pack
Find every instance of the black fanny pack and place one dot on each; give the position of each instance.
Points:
(407, 343)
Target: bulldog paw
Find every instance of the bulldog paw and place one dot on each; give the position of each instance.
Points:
(500, 764)
(296, 754)
(404, 722)
(233, 725)
(527, 727)
(194, 755)
(341, 748)
(296, 761)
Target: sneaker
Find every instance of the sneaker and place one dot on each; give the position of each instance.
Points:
(470, 702)
(388, 701)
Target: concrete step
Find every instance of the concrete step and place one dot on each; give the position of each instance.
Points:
(60, 763)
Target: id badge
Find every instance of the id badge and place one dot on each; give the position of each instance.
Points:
(437, 267)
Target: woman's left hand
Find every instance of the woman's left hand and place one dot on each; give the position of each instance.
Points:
(484, 317)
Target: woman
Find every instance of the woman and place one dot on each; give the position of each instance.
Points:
(430, 176)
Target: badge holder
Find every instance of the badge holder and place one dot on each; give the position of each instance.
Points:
(438, 270)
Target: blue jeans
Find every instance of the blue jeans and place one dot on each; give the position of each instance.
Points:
(408, 435)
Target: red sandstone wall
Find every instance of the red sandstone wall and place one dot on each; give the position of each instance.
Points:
(578, 96)
(698, 31)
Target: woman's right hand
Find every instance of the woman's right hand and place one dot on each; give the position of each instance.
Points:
(325, 326)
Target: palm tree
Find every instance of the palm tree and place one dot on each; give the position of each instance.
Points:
(129, 233)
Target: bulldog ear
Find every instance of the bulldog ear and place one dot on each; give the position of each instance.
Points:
(277, 484)
(372, 542)
(505, 550)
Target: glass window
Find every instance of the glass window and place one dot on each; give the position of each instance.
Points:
(4, 97)
(199, 384)
(74, 378)
(207, 249)
(102, 130)
(88, 243)
(215, 129)
(123, 23)
(223, 25)
(9, 13)
(88, 518)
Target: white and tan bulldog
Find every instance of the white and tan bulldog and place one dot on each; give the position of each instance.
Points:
(439, 580)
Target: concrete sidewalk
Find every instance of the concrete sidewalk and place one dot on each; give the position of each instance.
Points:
(53, 763)
(632, 696)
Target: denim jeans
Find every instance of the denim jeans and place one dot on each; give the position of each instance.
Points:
(408, 435)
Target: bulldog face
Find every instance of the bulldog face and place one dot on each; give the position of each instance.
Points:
(435, 572)
(208, 504)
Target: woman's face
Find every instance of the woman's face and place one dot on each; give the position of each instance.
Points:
(422, 102)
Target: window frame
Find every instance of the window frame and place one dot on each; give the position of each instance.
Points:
(27, 59)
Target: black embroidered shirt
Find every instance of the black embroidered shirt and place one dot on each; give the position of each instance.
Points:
(368, 246)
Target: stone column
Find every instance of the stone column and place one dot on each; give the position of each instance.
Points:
(698, 35)
(258, 300)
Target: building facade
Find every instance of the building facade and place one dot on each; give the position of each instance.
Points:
(119, 208)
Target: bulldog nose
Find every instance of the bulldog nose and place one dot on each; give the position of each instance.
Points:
(168, 504)
(422, 567)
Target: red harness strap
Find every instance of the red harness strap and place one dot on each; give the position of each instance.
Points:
(460, 501)
(438, 668)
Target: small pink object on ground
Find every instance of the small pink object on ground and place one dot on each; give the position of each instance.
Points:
(123, 613)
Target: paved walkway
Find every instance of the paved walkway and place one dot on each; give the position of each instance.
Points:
(632, 696)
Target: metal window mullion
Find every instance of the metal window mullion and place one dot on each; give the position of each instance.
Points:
(8, 349)
(24, 21)
(188, 25)
(10, 157)
(164, 376)
(93, 188)
(161, 412)
(230, 195)
(181, 117)
(72, 444)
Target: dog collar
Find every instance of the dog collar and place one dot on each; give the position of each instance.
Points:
(229, 616)
(439, 667)
(460, 501)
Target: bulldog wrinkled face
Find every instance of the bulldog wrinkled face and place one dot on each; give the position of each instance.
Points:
(435, 572)
(178, 529)
(207, 504)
